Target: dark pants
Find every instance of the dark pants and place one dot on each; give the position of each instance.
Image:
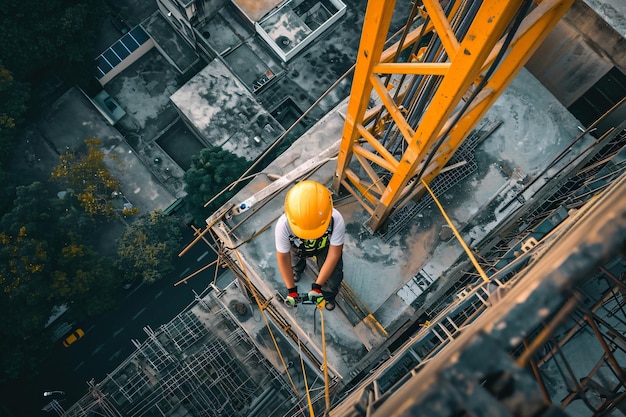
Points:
(331, 288)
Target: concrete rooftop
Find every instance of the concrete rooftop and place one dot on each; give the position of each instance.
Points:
(152, 123)
(224, 113)
(535, 128)
(58, 130)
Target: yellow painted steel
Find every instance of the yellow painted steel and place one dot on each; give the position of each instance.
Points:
(530, 35)
(375, 26)
(442, 26)
(456, 67)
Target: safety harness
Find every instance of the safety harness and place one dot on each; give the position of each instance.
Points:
(311, 247)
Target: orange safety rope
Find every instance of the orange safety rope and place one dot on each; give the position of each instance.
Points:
(262, 309)
(458, 235)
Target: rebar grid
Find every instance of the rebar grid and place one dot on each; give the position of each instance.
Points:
(184, 330)
(440, 184)
(568, 193)
(584, 350)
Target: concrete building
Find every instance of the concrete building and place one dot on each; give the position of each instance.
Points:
(287, 27)
(213, 102)
(536, 191)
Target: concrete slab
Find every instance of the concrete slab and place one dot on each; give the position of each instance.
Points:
(380, 272)
(171, 44)
(224, 113)
(59, 125)
(143, 91)
(536, 128)
(224, 31)
(611, 11)
(288, 25)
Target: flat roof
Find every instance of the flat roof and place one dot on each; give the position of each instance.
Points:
(224, 113)
(382, 273)
(612, 12)
(120, 50)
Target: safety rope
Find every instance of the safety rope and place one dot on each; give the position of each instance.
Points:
(306, 383)
(321, 306)
(458, 235)
(269, 328)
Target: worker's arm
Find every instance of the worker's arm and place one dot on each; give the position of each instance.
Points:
(284, 266)
(334, 253)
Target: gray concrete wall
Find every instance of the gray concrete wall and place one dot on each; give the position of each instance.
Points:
(580, 50)
(211, 8)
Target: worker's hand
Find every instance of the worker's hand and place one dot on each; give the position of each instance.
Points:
(315, 295)
(292, 295)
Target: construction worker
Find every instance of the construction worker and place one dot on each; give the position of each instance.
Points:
(310, 226)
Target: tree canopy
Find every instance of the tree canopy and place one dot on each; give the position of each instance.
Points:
(88, 179)
(40, 39)
(148, 247)
(38, 35)
(14, 96)
(47, 257)
(44, 262)
(211, 171)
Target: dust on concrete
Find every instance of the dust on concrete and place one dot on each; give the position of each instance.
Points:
(539, 123)
(143, 91)
(612, 11)
(419, 245)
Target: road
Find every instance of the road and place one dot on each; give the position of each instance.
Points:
(108, 339)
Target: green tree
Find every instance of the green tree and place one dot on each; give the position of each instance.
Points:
(44, 263)
(211, 172)
(39, 35)
(88, 179)
(148, 247)
(13, 98)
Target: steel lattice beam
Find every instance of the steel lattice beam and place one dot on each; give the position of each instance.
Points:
(459, 63)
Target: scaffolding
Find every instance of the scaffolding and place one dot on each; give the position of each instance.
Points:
(448, 310)
(191, 366)
(585, 351)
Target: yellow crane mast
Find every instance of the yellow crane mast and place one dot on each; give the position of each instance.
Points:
(433, 86)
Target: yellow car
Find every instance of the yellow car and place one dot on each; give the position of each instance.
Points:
(77, 334)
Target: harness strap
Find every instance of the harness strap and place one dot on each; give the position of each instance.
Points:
(312, 247)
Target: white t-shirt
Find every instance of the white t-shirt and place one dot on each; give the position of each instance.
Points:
(283, 231)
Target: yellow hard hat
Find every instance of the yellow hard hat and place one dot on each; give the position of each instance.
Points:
(308, 206)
